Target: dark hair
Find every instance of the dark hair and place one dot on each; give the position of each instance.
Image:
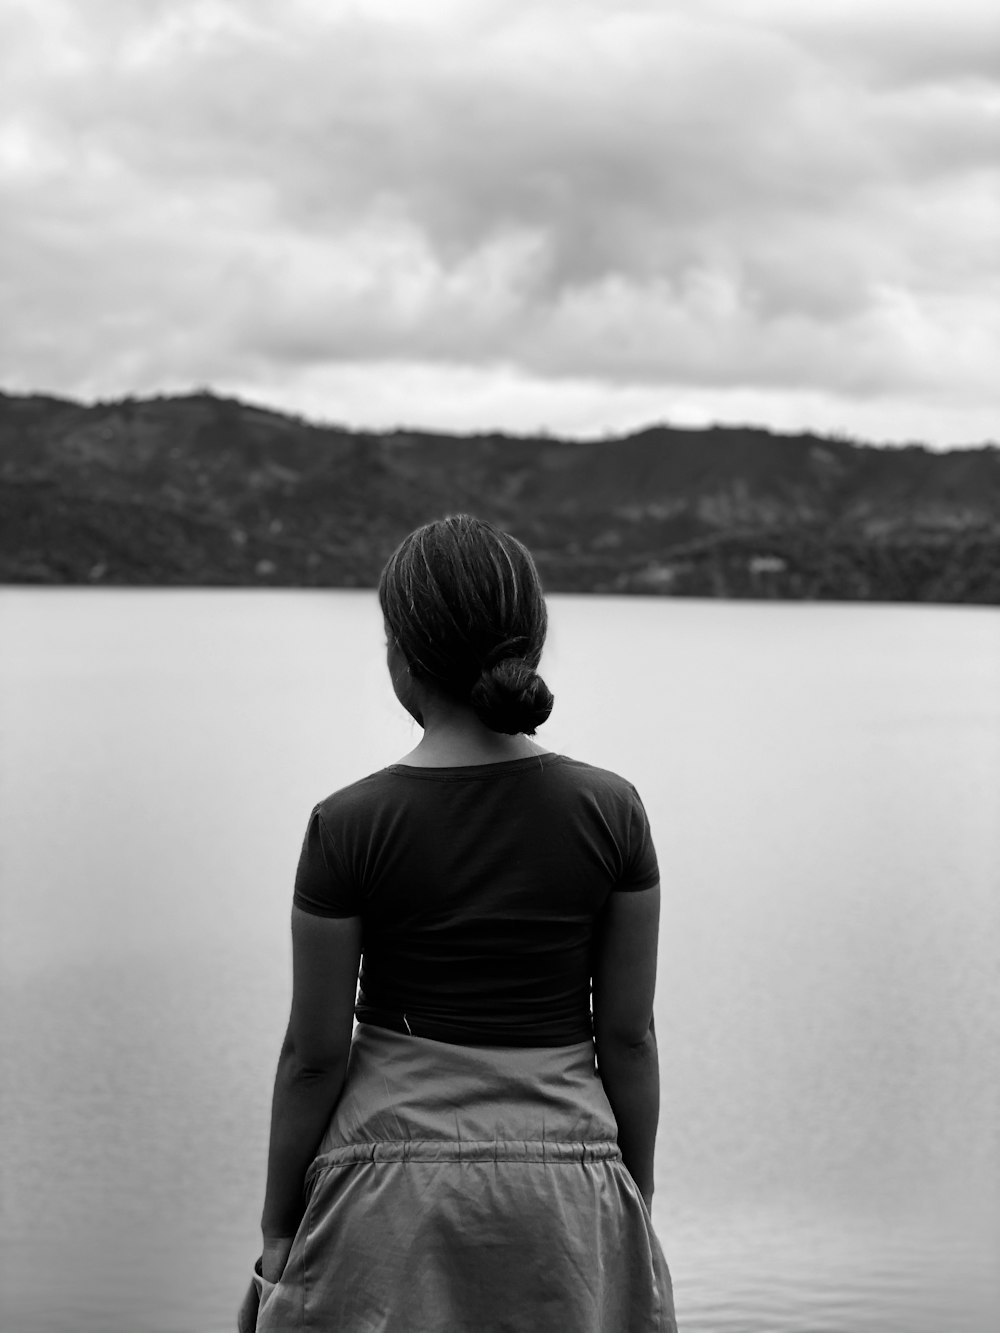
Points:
(464, 603)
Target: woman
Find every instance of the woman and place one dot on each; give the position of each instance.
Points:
(458, 1165)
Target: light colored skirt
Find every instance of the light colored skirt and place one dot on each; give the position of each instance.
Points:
(463, 1189)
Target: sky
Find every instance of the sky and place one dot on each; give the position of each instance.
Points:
(575, 216)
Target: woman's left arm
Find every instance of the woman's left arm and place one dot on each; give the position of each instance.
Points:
(326, 953)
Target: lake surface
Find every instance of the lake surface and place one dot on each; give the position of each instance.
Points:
(824, 788)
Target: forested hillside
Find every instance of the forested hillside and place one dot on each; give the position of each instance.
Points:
(202, 490)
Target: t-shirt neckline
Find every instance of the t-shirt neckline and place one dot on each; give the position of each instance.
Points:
(498, 769)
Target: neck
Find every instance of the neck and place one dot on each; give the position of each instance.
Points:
(454, 736)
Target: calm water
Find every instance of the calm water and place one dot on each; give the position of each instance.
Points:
(824, 785)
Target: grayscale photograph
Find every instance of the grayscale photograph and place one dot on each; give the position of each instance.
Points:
(500, 666)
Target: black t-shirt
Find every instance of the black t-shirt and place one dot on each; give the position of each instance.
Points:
(480, 890)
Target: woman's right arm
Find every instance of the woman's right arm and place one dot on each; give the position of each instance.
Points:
(326, 952)
(624, 985)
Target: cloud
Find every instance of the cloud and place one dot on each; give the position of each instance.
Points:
(753, 197)
(894, 43)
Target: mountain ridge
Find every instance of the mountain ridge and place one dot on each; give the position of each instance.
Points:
(203, 490)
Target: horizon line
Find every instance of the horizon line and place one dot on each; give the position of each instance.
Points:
(541, 433)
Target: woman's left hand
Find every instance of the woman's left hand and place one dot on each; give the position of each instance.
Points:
(276, 1249)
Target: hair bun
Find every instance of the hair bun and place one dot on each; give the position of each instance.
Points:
(511, 697)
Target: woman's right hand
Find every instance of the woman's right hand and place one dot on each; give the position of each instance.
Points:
(276, 1250)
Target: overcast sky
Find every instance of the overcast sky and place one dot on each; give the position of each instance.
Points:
(583, 215)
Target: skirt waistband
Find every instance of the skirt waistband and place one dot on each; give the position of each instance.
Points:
(465, 1150)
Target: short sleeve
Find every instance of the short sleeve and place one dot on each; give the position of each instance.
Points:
(641, 870)
(322, 886)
